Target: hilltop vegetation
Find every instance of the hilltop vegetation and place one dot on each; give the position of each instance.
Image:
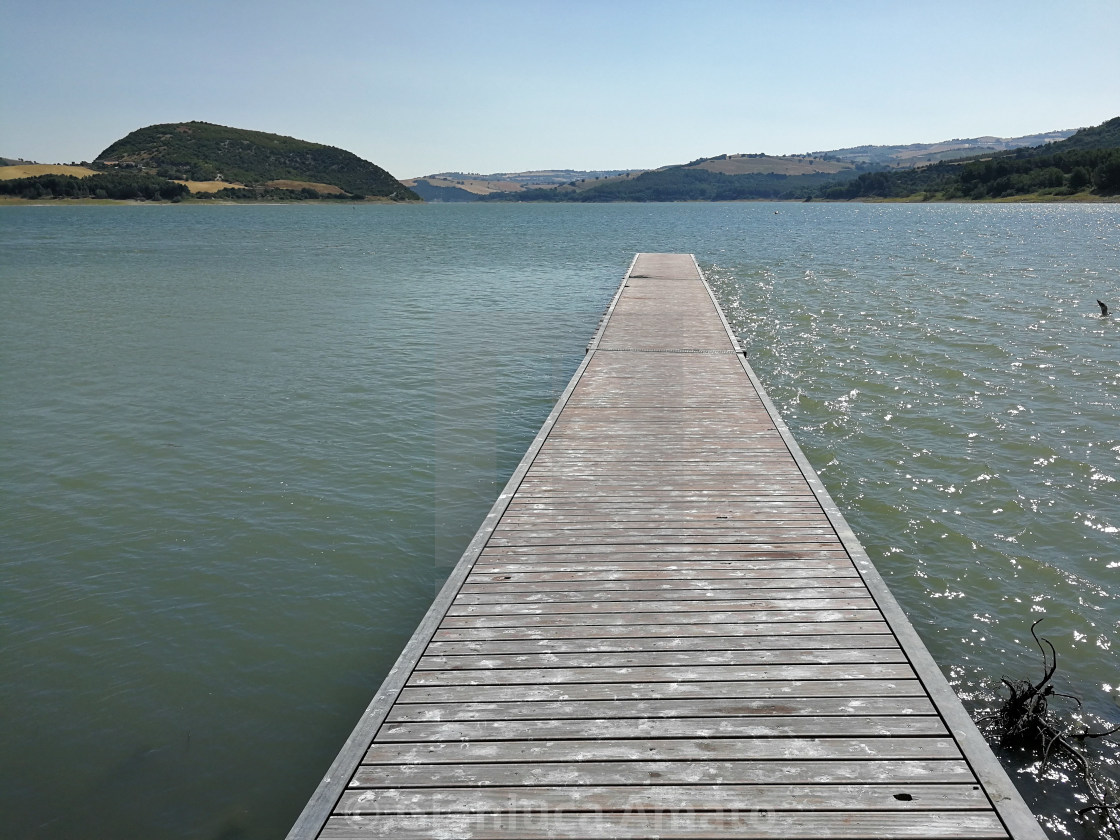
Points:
(1087, 162)
(199, 151)
(1105, 135)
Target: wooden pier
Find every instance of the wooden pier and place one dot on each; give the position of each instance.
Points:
(665, 628)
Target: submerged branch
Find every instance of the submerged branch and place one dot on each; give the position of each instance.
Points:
(1025, 720)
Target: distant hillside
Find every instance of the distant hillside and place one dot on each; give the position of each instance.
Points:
(470, 186)
(920, 154)
(1061, 163)
(202, 152)
(761, 164)
(720, 178)
(723, 177)
(1086, 164)
(432, 189)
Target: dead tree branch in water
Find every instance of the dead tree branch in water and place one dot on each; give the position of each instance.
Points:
(1025, 720)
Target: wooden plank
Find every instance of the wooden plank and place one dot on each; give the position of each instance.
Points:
(767, 530)
(849, 726)
(589, 520)
(661, 658)
(583, 645)
(665, 605)
(652, 772)
(668, 708)
(595, 634)
(906, 796)
(670, 825)
(715, 689)
(676, 552)
(655, 749)
(549, 564)
(664, 594)
(827, 617)
(594, 589)
(483, 581)
(666, 674)
(610, 534)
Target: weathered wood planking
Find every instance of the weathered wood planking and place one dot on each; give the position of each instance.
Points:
(664, 628)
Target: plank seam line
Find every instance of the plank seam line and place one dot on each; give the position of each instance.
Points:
(681, 761)
(668, 350)
(644, 738)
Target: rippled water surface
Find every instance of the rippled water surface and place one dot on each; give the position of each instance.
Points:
(240, 447)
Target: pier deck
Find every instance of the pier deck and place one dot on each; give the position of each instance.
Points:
(665, 628)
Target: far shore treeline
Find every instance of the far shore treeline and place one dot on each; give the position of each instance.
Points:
(206, 162)
(121, 186)
(1086, 164)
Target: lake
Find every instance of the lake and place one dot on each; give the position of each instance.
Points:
(241, 447)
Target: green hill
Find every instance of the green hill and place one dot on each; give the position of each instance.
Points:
(1103, 136)
(1086, 164)
(199, 151)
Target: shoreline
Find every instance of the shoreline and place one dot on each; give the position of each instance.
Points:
(15, 201)
(1079, 198)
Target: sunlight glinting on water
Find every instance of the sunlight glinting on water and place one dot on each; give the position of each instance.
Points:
(960, 400)
(240, 448)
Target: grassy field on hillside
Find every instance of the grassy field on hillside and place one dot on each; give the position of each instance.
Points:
(33, 170)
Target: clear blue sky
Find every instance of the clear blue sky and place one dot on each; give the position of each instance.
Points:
(422, 86)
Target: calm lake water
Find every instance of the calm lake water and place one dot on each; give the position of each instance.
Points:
(240, 448)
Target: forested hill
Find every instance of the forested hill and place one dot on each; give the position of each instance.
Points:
(1086, 164)
(1103, 136)
(199, 151)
